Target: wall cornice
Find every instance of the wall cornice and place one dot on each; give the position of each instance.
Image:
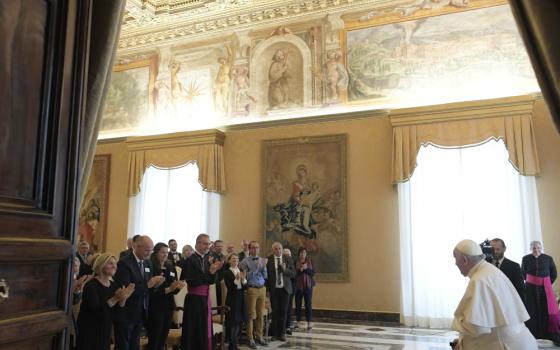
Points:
(499, 107)
(179, 139)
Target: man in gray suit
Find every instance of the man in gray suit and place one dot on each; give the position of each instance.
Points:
(280, 273)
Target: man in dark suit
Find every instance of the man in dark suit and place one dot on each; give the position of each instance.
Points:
(510, 268)
(280, 273)
(134, 268)
(82, 255)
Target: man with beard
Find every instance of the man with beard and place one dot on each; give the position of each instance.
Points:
(199, 273)
(510, 268)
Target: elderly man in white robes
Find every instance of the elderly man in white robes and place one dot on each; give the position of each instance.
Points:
(491, 314)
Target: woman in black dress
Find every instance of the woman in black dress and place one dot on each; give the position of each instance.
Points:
(236, 283)
(539, 272)
(162, 304)
(100, 295)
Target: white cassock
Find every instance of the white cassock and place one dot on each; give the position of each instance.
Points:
(491, 315)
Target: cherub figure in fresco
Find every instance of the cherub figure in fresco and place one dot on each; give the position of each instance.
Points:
(281, 30)
(334, 76)
(241, 84)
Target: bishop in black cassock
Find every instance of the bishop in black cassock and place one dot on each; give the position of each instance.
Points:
(199, 273)
(539, 272)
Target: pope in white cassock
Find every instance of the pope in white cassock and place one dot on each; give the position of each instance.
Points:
(491, 315)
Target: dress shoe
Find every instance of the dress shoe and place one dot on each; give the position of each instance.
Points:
(288, 331)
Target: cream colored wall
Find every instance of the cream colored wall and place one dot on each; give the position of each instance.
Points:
(548, 184)
(372, 208)
(372, 202)
(118, 202)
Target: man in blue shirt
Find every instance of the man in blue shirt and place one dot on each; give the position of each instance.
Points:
(256, 293)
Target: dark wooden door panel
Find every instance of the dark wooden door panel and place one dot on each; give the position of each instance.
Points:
(43, 65)
(27, 282)
(22, 55)
(37, 330)
(41, 343)
(22, 58)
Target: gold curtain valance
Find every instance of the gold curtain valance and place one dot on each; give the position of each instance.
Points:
(173, 150)
(462, 124)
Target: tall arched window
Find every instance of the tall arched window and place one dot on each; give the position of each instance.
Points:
(470, 192)
(172, 204)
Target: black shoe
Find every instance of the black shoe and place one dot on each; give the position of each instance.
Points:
(288, 331)
(282, 338)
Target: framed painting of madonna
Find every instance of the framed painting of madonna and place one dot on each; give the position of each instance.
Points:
(304, 200)
(92, 224)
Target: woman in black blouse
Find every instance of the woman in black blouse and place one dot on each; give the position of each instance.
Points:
(162, 304)
(100, 295)
(236, 283)
(539, 272)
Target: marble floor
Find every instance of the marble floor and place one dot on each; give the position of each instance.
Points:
(337, 336)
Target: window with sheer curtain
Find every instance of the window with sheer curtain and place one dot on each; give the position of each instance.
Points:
(470, 192)
(172, 204)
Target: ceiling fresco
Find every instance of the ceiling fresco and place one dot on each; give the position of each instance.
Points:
(190, 65)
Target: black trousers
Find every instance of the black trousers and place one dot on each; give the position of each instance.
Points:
(279, 302)
(289, 311)
(159, 322)
(127, 336)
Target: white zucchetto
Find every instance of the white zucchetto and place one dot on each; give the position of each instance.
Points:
(469, 247)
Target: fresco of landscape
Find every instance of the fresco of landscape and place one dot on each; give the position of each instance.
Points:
(128, 99)
(469, 55)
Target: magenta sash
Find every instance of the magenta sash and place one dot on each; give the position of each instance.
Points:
(553, 312)
(203, 292)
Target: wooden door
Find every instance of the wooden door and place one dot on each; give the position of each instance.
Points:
(43, 50)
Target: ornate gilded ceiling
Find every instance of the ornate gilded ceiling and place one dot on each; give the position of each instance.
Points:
(160, 22)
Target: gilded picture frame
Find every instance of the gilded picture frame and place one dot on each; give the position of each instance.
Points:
(94, 209)
(304, 201)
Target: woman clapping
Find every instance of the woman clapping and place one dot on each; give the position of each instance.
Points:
(100, 295)
(236, 283)
(162, 303)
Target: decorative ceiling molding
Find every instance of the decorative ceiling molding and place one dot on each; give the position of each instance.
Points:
(149, 23)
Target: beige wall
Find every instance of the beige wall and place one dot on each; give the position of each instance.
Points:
(372, 202)
(548, 184)
(118, 200)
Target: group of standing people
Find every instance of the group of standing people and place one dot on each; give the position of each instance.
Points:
(505, 306)
(122, 296)
(250, 281)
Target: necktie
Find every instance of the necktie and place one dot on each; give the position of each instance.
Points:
(278, 274)
(143, 276)
(141, 265)
(497, 263)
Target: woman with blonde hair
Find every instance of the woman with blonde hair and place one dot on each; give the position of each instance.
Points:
(100, 295)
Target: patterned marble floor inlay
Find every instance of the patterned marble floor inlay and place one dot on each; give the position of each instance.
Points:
(336, 336)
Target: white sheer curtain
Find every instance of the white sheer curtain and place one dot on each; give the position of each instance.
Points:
(172, 204)
(471, 192)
